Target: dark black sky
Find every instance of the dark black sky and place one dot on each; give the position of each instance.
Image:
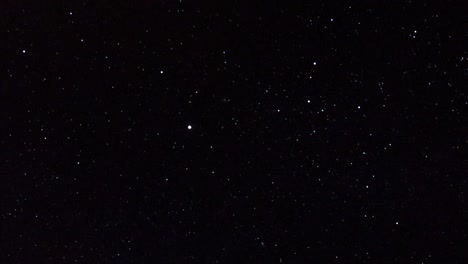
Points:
(179, 132)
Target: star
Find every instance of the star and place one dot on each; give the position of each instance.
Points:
(189, 127)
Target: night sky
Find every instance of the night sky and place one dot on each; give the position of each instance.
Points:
(237, 132)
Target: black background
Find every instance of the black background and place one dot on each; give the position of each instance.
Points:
(322, 132)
